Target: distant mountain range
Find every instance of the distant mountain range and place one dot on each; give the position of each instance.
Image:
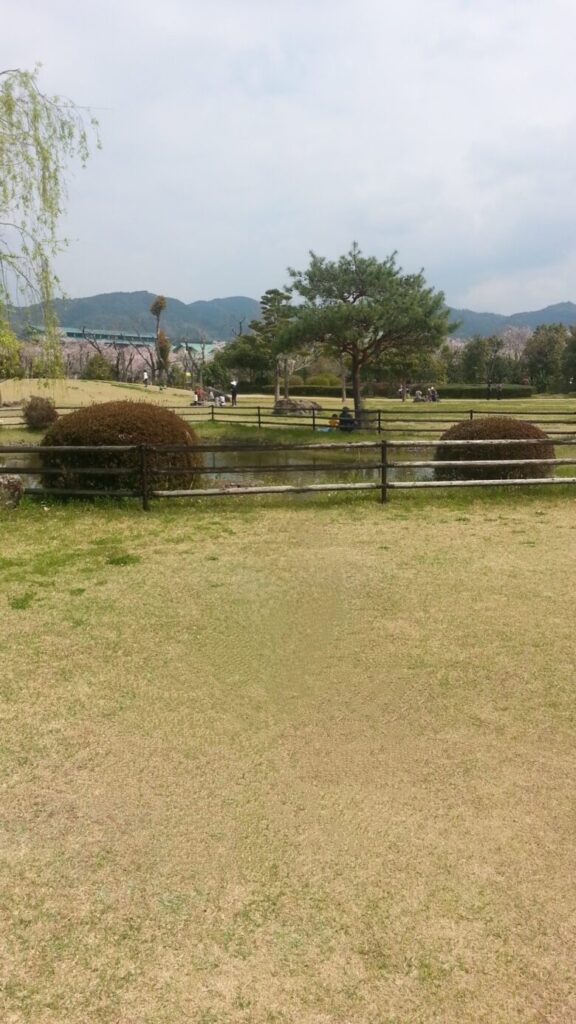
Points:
(221, 319)
(215, 320)
(485, 324)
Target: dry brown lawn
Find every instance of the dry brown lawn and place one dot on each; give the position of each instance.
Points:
(307, 764)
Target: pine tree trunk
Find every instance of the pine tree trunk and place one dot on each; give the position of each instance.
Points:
(286, 379)
(343, 377)
(356, 392)
(277, 381)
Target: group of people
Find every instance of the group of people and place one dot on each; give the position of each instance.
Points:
(200, 396)
(218, 398)
(430, 395)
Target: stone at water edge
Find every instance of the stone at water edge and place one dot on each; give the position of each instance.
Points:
(11, 490)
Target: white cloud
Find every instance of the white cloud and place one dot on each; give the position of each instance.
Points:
(237, 135)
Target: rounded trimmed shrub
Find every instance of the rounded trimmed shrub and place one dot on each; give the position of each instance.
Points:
(39, 413)
(494, 428)
(120, 423)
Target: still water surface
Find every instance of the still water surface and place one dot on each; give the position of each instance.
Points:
(267, 468)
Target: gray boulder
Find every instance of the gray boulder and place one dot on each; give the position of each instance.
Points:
(11, 490)
(296, 407)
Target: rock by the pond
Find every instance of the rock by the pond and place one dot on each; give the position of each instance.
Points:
(295, 407)
(11, 490)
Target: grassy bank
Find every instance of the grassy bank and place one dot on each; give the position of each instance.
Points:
(83, 392)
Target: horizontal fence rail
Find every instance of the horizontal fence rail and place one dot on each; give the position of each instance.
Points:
(411, 420)
(375, 461)
(143, 465)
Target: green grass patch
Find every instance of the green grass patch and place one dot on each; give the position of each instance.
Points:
(123, 558)
(21, 601)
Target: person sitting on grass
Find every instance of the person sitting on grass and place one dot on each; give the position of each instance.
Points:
(333, 422)
(346, 421)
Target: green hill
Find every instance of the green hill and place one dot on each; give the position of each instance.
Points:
(221, 319)
(485, 324)
(217, 319)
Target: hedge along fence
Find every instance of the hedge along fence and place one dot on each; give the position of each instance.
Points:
(483, 391)
(308, 390)
(375, 389)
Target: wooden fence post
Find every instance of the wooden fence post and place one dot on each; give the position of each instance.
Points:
(313, 419)
(259, 419)
(384, 471)
(379, 421)
(212, 413)
(471, 414)
(144, 477)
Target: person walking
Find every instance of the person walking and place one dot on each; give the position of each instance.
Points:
(145, 378)
(234, 393)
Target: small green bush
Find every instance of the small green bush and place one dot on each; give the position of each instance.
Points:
(120, 423)
(494, 428)
(39, 413)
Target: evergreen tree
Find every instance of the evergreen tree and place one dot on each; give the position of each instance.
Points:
(543, 356)
(360, 308)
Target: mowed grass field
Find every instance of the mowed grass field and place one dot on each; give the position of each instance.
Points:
(289, 763)
(67, 392)
(424, 420)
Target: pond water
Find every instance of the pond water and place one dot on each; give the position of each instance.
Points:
(280, 467)
(245, 468)
(284, 467)
(22, 459)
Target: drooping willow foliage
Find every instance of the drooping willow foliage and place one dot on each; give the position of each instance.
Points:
(39, 136)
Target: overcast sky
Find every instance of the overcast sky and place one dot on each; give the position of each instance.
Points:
(239, 134)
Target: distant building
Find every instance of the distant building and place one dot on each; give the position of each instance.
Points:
(128, 338)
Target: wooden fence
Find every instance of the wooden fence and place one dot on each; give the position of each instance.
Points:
(331, 458)
(411, 419)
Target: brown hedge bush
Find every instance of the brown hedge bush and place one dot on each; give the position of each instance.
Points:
(494, 428)
(120, 423)
(39, 413)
